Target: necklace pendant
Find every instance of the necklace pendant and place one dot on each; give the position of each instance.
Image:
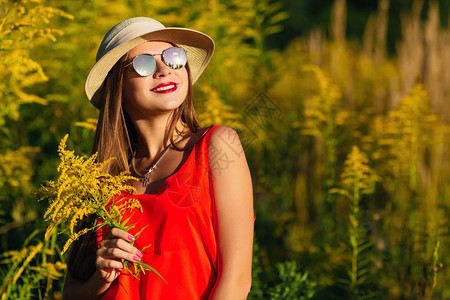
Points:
(145, 180)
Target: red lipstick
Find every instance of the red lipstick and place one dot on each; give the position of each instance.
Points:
(165, 88)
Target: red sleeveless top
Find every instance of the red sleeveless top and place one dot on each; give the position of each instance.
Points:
(181, 229)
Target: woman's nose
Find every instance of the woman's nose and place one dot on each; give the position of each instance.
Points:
(161, 69)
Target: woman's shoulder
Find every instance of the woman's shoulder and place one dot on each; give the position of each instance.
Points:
(215, 131)
(225, 146)
(222, 135)
(218, 139)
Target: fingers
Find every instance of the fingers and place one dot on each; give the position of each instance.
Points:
(115, 248)
(119, 244)
(119, 249)
(103, 263)
(119, 233)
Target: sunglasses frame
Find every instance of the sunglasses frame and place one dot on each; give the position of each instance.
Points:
(153, 55)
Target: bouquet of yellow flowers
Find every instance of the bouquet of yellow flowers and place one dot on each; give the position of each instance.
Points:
(83, 189)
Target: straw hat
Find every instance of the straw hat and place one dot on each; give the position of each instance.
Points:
(130, 33)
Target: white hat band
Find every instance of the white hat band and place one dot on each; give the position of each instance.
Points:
(128, 33)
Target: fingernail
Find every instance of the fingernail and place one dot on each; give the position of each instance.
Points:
(135, 258)
(131, 238)
(139, 254)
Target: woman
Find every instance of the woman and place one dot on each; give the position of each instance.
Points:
(195, 186)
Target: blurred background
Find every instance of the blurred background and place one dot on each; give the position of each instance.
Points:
(342, 107)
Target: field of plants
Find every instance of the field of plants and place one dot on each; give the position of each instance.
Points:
(348, 144)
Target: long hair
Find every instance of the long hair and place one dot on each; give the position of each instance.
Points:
(116, 137)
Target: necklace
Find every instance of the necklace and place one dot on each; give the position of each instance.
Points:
(146, 177)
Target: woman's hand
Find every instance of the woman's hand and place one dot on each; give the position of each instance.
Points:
(113, 250)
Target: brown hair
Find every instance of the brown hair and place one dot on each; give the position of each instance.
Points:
(116, 136)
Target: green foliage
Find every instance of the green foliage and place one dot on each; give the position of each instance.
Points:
(23, 24)
(31, 271)
(357, 179)
(290, 284)
(282, 281)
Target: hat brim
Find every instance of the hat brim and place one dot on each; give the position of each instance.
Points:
(199, 48)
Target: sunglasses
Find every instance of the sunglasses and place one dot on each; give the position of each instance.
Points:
(145, 64)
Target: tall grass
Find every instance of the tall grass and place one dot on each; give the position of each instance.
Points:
(391, 107)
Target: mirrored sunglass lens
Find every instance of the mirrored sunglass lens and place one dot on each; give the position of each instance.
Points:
(144, 65)
(175, 58)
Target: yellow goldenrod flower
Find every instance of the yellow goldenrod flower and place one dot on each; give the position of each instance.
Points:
(83, 189)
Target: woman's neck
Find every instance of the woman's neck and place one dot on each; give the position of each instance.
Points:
(153, 135)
